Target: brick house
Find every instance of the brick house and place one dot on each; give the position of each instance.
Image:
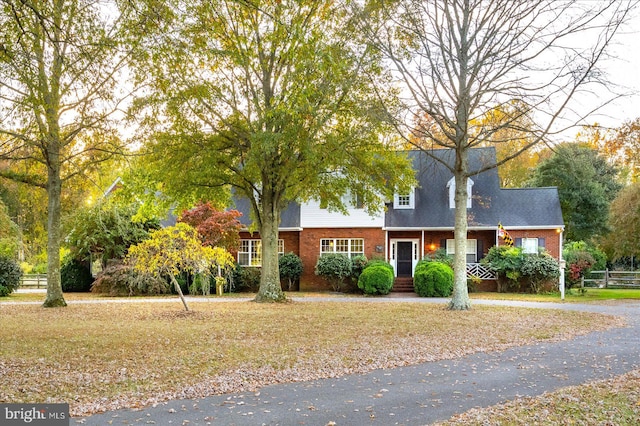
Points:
(421, 222)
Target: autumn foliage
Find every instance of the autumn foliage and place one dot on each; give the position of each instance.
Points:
(216, 228)
(170, 251)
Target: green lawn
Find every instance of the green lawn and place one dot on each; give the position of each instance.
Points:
(98, 356)
(591, 294)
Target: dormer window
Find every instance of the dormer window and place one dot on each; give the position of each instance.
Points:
(404, 201)
(452, 192)
(353, 200)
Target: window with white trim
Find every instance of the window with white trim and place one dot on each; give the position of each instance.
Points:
(404, 201)
(472, 249)
(530, 245)
(250, 252)
(348, 246)
(452, 192)
(353, 200)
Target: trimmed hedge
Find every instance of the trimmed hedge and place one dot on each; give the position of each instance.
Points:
(433, 279)
(376, 278)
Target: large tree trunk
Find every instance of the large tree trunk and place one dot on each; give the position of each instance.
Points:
(270, 289)
(460, 298)
(54, 297)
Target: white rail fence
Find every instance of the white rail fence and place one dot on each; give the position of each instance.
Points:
(34, 281)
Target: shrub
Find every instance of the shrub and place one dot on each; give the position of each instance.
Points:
(358, 264)
(10, 274)
(539, 270)
(75, 276)
(376, 278)
(473, 282)
(244, 279)
(581, 259)
(507, 263)
(433, 279)
(120, 279)
(290, 266)
(335, 268)
(201, 284)
(440, 255)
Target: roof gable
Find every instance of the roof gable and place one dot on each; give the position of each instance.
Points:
(490, 205)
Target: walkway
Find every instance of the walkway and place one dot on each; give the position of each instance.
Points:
(415, 395)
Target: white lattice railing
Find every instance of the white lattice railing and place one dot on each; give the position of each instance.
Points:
(480, 271)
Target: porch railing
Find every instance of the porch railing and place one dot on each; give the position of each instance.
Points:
(480, 271)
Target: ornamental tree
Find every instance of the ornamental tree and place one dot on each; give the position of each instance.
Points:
(216, 228)
(173, 250)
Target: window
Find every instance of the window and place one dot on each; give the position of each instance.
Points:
(348, 246)
(472, 249)
(404, 201)
(452, 192)
(530, 245)
(353, 200)
(250, 252)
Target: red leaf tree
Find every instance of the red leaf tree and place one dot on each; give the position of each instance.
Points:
(216, 228)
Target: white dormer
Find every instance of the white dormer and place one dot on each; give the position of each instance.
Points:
(405, 201)
(452, 192)
(352, 200)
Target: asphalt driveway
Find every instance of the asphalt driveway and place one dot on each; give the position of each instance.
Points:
(419, 394)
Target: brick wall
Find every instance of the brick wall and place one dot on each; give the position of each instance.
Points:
(551, 238)
(310, 250)
(306, 244)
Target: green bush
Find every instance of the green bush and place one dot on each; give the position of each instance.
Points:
(582, 258)
(539, 270)
(433, 279)
(120, 279)
(290, 266)
(440, 255)
(75, 276)
(244, 279)
(376, 278)
(335, 268)
(358, 263)
(10, 274)
(202, 284)
(507, 263)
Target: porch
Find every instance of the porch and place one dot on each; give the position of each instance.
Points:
(405, 284)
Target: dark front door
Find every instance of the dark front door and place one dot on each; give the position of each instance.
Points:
(404, 259)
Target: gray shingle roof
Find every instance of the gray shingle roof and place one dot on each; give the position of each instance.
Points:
(529, 207)
(514, 208)
(290, 217)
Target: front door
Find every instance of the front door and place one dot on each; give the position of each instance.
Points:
(404, 259)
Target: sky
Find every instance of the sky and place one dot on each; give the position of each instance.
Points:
(624, 71)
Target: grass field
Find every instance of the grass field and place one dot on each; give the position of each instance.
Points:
(575, 296)
(100, 355)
